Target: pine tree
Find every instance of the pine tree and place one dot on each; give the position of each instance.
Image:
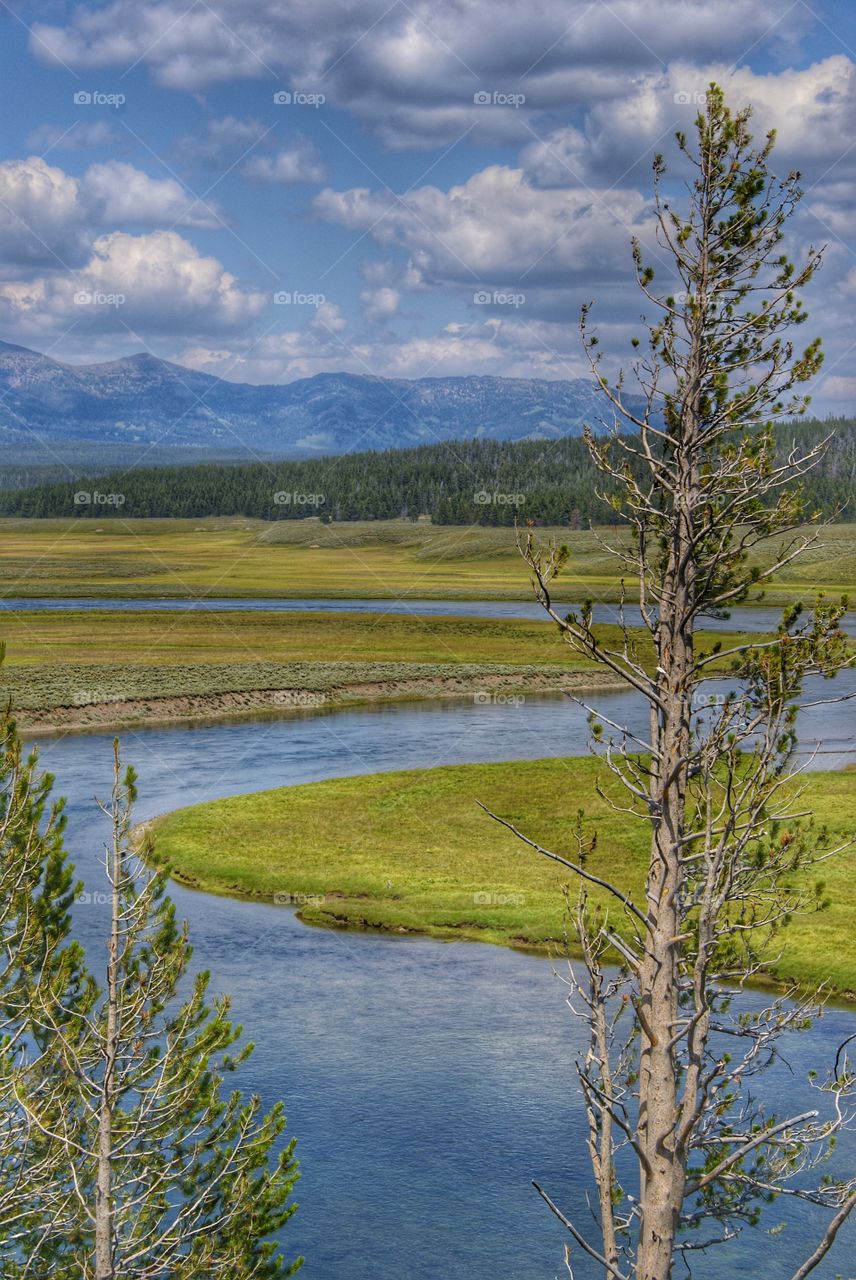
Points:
(40, 977)
(165, 1177)
(684, 1152)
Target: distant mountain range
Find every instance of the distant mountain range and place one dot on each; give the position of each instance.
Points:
(141, 400)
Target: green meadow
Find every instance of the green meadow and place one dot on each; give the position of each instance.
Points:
(236, 557)
(72, 658)
(39, 638)
(412, 852)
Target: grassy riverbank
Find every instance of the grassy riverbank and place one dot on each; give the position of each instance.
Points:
(87, 668)
(235, 557)
(411, 852)
(82, 698)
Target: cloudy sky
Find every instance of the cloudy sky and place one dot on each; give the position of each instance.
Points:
(265, 189)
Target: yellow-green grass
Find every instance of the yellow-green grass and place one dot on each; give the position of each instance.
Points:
(411, 852)
(134, 663)
(81, 695)
(304, 558)
(39, 638)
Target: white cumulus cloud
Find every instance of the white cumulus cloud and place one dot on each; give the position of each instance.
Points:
(412, 71)
(117, 192)
(297, 163)
(157, 283)
(498, 230)
(49, 218)
(41, 216)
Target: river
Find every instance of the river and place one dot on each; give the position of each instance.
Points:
(746, 618)
(426, 1082)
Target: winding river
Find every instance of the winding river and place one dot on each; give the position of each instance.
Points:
(744, 618)
(427, 1082)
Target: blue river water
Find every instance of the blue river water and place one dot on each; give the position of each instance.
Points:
(745, 618)
(427, 1083)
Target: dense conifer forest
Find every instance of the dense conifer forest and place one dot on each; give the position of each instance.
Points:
(468, 482)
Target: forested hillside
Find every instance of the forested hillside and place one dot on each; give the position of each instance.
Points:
(467, 482)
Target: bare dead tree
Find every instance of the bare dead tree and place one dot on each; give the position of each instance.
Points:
(667, 1076)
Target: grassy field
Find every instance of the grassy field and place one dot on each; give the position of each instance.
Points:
(86, 658)
(412, 852)
(38, 638)
(304, 558)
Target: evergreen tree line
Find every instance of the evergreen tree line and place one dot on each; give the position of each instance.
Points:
(122, 1155)
(486, 482)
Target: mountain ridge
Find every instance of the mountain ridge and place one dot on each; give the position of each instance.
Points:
(141, 399)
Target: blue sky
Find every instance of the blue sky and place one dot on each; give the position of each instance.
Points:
(448, 182)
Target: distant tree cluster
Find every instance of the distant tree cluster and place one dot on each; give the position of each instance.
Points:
(486, 482)
(29, 476)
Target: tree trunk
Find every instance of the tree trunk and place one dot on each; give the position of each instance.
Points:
(663, 1176)
(663, 1173)
(104, 1260)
